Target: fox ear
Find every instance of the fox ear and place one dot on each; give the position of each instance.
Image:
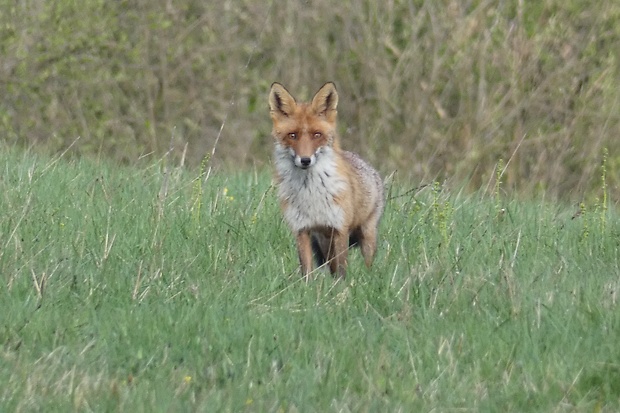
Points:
(326, 100)
(281, 101)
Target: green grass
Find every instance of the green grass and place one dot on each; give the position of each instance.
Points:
(145, 289)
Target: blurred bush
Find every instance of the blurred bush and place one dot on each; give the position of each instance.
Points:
(435, 90)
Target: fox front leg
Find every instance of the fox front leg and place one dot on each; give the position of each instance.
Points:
(340, 250)
(304, 248)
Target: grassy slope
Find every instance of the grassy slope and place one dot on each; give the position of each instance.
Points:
(124, 289)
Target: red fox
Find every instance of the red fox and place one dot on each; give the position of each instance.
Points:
(331, 198)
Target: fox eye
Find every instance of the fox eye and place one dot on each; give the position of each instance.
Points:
(317, 135)
(292, 136)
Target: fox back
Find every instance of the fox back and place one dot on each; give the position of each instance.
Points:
(329, 197)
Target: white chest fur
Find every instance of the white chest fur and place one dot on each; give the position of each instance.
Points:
(309, 194)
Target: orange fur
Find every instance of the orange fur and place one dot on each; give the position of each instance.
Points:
(330, 197)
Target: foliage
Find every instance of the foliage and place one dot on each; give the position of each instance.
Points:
(433, 89)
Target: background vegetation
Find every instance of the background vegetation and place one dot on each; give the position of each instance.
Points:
(152, 290)
(433, 89)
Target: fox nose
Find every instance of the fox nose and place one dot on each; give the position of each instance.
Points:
(305, 162)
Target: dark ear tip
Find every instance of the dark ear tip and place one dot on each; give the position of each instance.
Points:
(331, 85)
(278, 88)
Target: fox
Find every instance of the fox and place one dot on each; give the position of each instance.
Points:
(331, 198)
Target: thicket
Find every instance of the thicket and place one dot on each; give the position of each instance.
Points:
(434, 89)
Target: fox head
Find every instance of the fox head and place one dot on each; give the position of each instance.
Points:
(304, 130)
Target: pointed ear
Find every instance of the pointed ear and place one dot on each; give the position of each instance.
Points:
(281, 103)
(326, 100)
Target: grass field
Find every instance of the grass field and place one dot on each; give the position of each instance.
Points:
(155, 289)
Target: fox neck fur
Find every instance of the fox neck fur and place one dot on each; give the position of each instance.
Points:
(310, 195)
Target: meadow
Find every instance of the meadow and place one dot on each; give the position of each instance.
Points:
(155, 288)
(137, 273)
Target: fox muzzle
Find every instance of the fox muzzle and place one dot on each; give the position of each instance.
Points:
(305, 162)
